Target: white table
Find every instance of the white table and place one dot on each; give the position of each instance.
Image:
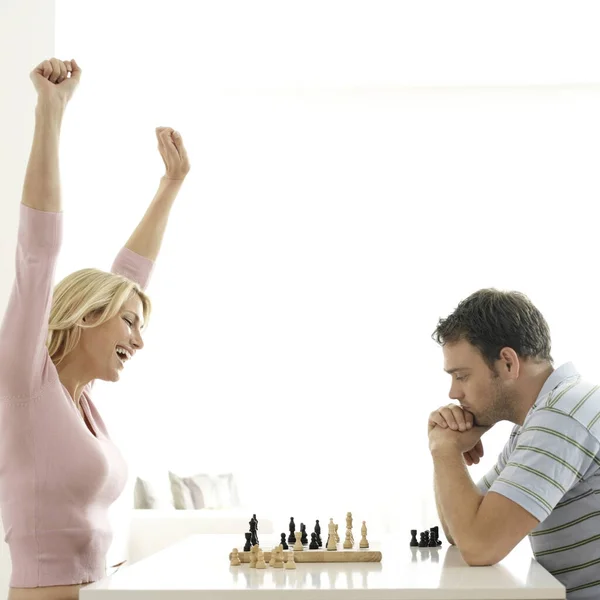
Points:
(198, 569)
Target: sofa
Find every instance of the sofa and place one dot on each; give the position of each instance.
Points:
(167, 508)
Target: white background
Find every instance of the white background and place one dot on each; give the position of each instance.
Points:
(357, 169)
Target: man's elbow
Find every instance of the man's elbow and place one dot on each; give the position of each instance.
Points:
(482, 556)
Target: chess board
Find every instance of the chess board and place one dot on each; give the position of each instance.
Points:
(322, 556)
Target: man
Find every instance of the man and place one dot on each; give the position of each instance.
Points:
(546, 483)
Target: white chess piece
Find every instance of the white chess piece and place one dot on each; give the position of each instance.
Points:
(253, 556)
(272, 559)
(290, 564)
(364, 543)
(349, 526)
(278, 552)
(298, 547)
(348, 540)
(337, 535)
(235, 558)
(260, 560)
(331, 540)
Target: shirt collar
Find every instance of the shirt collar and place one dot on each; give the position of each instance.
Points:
(565, 371)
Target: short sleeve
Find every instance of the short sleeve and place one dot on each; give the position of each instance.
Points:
(553, 453)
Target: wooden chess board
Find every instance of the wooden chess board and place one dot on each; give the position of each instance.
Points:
(322, 556)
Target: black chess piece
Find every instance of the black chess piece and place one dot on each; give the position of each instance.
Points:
(424, 542)
(314, 545)
(432, 540)
(318, 532)
(303, 536)
(253, 536)
(413, 539)
(255, 521)
(248, 544)
(283, 542)
(292, 536)
(437, 535)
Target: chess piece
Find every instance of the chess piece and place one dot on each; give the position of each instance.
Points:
(253, 556)
(348, 540)
(432, 540)
(253, 535)
(337, 536)
(278, 562)
(318, 532)
(235, 558)
(314, 545)
(349, 526)
(437, 535)
(290, 564)
(260, 560)
(292, 536)
(331, 543)
(304, 536)
(364, 543)
(283, 542)
(248, 544)
(424, 539)
(255, 521)
(272, 559)
(298, 547)
(413, 539)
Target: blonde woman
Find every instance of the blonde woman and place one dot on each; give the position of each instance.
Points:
(59, 470)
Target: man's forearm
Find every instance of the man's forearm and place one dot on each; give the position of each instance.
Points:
(458, 498)
(441, 515)
(147, 238)
(41, 189)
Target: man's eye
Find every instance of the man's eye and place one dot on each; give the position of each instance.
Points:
(461, 378)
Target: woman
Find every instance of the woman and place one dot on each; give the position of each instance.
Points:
(59, 470)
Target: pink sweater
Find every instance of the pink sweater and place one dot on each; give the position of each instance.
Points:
(57, 480)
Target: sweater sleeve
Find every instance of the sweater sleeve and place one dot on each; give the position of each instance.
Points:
(23, 354)
(134, 266)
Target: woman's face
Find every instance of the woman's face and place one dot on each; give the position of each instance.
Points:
(107, 347)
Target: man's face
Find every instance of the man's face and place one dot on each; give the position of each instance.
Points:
(477, 388)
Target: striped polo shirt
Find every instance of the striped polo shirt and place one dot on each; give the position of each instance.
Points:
(551, 467)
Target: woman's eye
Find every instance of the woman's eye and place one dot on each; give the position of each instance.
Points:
(128, 322)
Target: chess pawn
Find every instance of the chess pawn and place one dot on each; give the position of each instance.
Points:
(290, 564)
(272, 559)
(253, 556)
(348, 540)
(298, 547)
(364, 543)
(283, 543)
(260, 560)
(331, 543)
(235, 558)
(337, 535)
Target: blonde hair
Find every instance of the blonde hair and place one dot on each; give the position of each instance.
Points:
(81, 294)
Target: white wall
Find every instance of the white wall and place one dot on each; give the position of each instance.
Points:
(26, 38)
